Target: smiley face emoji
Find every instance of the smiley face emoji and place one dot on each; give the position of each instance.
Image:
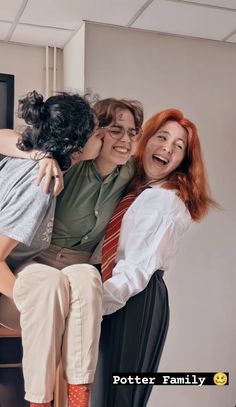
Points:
(220, 379)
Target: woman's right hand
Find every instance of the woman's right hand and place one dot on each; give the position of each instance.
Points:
(93, 146)
(49, 169)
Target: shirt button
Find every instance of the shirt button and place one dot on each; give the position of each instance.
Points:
(85, 237)
(96, 213)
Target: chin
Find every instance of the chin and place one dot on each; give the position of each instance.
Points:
(122, 161)
(156, 177)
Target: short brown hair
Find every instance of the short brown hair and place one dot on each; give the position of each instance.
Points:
(105, 110)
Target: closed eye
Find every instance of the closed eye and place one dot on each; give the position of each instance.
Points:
(161, 137)
(180, 146)
(116, 129)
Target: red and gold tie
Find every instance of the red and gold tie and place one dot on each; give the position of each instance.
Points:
(112, 235)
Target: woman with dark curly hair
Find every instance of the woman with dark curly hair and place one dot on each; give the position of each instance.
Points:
(92, 191)
(47, 299)
(60, 126)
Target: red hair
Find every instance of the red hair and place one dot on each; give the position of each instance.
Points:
(189, 179)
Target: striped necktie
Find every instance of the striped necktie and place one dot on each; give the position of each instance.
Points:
(112, 235)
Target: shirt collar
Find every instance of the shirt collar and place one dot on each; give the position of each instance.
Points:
(110, 177)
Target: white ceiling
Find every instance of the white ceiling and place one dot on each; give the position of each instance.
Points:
(54, 22)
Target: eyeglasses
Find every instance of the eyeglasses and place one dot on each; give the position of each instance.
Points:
(117, 132)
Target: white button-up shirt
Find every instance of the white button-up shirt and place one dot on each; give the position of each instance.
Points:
(150, 233)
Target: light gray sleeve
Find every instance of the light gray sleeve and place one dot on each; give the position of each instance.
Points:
(23, 208)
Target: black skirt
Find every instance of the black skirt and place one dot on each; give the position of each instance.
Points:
(132, 340)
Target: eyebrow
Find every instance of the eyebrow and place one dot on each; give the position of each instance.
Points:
(119, 125)
(184, 143)
(167, 132)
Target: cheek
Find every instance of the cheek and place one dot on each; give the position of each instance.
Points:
(133, 147)
(179, 159)
(151, 144)
(145, 161)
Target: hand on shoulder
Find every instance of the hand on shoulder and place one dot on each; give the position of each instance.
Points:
(49, 169)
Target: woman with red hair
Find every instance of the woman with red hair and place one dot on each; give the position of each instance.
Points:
(168, 191)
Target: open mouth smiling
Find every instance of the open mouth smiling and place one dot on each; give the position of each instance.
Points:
(162, 160)
(122, 150)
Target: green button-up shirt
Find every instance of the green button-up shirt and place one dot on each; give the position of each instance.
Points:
(87, 203)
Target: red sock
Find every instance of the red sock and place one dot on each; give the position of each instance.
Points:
(40, 404)
(79, 395)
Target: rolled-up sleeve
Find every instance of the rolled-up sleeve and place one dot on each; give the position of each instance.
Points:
(23, 205)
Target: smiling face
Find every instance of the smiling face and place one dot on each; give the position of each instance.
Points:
(164, 151)
(117, 152)
(220, 379)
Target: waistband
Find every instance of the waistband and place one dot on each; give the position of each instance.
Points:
(160, 273)
(60, 257)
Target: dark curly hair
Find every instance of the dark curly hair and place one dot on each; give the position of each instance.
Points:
(59, 127)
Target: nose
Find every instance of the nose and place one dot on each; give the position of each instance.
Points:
(125, 136)
(168, 148)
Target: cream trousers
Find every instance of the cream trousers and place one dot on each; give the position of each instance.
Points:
(60, 317)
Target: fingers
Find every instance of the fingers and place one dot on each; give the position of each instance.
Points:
(93, 146)
(40, 176)
(47, 181)
(48, 170)
(58, 185)
(99, 133)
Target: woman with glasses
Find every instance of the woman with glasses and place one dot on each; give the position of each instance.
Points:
(94, 188)
(92, 191)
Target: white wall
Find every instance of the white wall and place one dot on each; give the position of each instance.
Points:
(73, 61)
(198, 77)
(27, 63)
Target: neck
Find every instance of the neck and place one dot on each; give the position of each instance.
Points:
(154, 181)
(105, 168)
